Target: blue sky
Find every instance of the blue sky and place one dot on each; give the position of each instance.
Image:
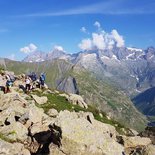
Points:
(28, 25)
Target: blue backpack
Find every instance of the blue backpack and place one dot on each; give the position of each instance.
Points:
(43, 77)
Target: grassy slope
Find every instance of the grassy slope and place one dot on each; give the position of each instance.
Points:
(109, 99)
(60, 103)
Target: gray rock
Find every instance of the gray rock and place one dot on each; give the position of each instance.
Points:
(149, 150)
(80, 137)
(12, 149)
(75, 99)
(68, 85)
(52, 112)
(40, 100)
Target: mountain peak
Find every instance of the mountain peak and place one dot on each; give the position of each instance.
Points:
(36, 56)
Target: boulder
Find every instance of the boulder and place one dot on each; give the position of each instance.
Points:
(149, 150)
(34, 113)
(82, 137)
(13, 100)
(12, 149)
(37, 119)
(40, 100)
(135, 145)
(14, 132)
(75, 99)
(52, 112)
(133, 142)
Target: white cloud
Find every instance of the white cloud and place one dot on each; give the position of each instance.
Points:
(102, 40)
(86, 44)
(83, 29)
(97, 24)
(98, 41)
(118, 38)
(29, 49)
(59, 48)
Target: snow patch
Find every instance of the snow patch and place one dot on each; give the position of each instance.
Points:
(105, 57)
(39, 60)
(137, 90)
(114, 57)
(134, 76)
(141, 55)
(134, 49)
(151, 56)
(130, 55)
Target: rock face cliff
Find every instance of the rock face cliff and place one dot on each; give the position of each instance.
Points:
(68, 85)
(49, 122)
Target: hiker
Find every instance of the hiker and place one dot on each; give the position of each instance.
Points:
(28, 84)
(9, 83)
(42, 80)
(33, 76)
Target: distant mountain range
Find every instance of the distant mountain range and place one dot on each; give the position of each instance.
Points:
(131, 69)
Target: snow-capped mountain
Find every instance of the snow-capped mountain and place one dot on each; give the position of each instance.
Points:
(39, 56)
(130, 68)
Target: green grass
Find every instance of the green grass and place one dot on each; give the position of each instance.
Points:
(1, 70)
(60, 103)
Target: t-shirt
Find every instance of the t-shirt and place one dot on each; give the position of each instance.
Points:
(27, 81)
(8, 77)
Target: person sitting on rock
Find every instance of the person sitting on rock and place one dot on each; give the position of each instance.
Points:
(28, 84)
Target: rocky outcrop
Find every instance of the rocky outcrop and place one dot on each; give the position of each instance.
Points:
(135, 144)
(81, 136)
(75, 99)
(149, 150)
(40, 100)
(12, 149)
(52, 112)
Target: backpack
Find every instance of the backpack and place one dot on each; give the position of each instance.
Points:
(42, 77)
(9, 83)
(12, 78)
(33, 76)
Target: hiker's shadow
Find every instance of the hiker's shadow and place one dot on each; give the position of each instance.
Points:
(45, 138)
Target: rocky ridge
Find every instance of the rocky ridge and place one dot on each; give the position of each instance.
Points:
(29, 125)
